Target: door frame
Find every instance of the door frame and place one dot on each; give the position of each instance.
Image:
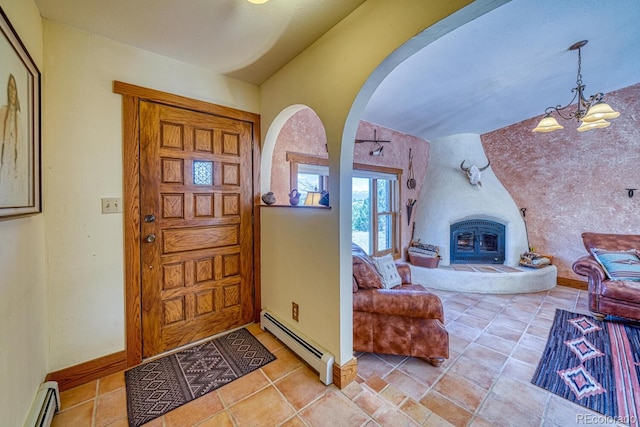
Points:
(131, 97)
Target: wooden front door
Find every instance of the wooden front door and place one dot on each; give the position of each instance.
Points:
(196, 249)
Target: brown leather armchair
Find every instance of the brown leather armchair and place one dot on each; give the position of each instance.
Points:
(406, 320)
(620, 298)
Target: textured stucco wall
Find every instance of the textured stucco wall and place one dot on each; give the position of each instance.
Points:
(396, 155)
(304, 133)
(571, 182)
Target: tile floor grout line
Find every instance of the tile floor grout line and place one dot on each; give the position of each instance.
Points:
(476, 412)
(536, 322)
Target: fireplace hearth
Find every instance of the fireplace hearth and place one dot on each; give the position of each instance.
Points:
(477, 241)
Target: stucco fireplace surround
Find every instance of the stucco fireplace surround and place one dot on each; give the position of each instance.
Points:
(448, 198)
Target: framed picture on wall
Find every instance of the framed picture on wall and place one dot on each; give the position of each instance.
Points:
(20, 181)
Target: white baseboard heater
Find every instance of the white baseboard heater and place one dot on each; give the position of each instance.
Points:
(44, 406)
(318, 358)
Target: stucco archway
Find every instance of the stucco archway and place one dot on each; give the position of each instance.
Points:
(297, 129)
(336, 77)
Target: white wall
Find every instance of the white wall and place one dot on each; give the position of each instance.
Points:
(23, 340)
(447, 197)
(82, 163)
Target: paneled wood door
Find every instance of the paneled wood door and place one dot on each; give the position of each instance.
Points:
(196, 247)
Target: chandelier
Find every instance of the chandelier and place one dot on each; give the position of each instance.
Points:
(592, 111)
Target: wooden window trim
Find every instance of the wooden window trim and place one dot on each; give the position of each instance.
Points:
(396, 215)
(296, 159)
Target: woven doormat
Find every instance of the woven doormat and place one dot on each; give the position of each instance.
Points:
(159, 386)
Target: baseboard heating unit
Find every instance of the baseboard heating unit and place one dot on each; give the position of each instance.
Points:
(44, 406)
(315, 356)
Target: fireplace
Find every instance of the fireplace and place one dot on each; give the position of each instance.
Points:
(477, 241)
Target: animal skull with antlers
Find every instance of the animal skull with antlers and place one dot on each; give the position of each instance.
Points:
(473, 173)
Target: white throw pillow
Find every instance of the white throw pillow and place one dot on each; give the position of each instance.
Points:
(387, 269)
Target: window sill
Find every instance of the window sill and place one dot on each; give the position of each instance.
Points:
(295, 206)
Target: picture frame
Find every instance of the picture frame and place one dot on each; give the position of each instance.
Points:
(20, 121)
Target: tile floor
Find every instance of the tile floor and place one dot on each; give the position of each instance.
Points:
(495, 344)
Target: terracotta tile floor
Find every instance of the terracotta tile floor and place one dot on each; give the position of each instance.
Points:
(495, 344)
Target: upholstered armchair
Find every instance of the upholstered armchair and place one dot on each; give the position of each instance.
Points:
(405, 319)
(619, 297)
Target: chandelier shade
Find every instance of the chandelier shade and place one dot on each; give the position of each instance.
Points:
(600, 111)
(548, 124)
(598, 124)
(592, 112)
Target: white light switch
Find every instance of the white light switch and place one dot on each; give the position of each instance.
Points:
(111, 205)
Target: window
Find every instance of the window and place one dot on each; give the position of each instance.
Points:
(375, 209)
(312, 178)
(308, 174)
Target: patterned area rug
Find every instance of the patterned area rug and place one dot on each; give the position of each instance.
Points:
(594, 364)
(156, 387)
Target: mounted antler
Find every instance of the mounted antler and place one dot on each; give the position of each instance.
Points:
(473, 173)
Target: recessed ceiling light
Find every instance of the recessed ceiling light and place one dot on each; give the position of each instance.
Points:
(257, 1)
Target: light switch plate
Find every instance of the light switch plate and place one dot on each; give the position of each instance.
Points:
(111, 205)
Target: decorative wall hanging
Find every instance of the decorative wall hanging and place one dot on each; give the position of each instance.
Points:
(411, 182)
(378, 150)
(410, 204)
(474, 173)
(20, 192)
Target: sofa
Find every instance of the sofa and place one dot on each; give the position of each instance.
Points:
(612, 290)
(403, 320)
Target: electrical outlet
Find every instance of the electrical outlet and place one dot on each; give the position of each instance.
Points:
(294, 311)
(111, 205)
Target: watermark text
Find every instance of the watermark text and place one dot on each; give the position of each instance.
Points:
(604, 419)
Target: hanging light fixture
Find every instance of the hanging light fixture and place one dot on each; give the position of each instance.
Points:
(257, 1)
(592, 112)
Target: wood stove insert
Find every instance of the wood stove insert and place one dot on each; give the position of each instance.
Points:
(477, 241)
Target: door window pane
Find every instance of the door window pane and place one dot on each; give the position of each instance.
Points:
(202, 172)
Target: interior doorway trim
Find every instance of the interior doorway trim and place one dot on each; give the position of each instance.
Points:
(131, 97)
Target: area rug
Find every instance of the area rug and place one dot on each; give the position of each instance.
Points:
(159, 386)
(595, 364)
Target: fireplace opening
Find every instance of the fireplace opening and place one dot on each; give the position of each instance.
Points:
(477, 241)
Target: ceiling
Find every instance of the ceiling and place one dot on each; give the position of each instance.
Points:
(246, 41)
(501, 68)
(509, 65)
